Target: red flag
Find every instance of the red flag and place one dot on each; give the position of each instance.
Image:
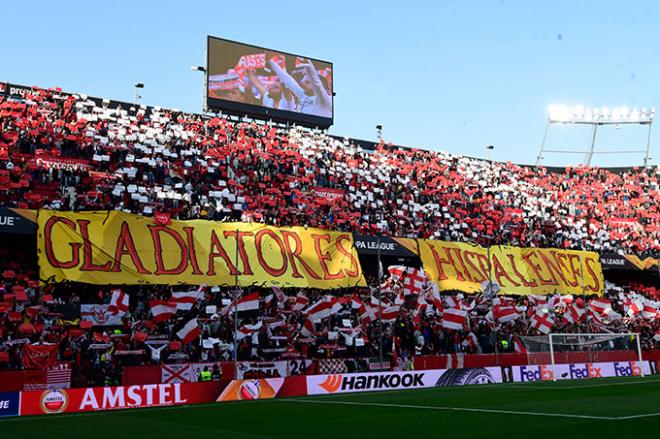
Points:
(453, 318)
(323, 308)
(249, 302)
(189, 332)
(185, 300)
(162, 310)
(39, 356)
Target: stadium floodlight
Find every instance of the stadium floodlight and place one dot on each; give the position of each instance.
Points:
(489, 148)
(379, 132)
(558, 113)
(597, 117)
(202, 69)
(136, 95)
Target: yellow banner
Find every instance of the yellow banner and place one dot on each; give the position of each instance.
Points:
(119, 248)
(518, 271)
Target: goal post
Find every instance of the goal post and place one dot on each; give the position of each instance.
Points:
(556, 348)
(598, 347)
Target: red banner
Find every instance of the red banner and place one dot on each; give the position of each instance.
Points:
(120, 397)
(39, 356)
(328, 193)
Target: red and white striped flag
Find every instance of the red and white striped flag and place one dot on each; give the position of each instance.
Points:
(323, 308)
(118, 302)
(505, 314)
(390, 313)
(247, 330)
(453, 318)
(574, 313)
(538, 299)
(307, 329)
(543, 322)
(162, 310)
(365, 312)
(435, 298)
(598, 306)
(649, 311)
(185, 300)
(249, 302)
(453, 302)
(301, 302)
(189, 332)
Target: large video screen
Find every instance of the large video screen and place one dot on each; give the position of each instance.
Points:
(250, 80)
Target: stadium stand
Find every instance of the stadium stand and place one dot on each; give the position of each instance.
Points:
(68, 152)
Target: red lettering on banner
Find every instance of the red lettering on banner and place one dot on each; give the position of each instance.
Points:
(500, 273)
(324, 257)
(439, 263)
(484, 264)
(48, 243)
(553, 268)
(192, 251)
(459, 258)
(88, 263)
(158, 251)
(247, 270)
(577, 272)
(536, 268)
(126, 246)
(258, 238)
(520, 276)
(295, 255)
(355, 267)
(216, 250)
(478, 274)
(561, 261)
(592, 273)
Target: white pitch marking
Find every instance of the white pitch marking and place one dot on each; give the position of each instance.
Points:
(584, 386)
(455, 409)
(645, 415)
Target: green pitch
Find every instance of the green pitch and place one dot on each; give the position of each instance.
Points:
(620, 407)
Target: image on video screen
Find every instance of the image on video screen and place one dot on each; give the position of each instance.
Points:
(255, 76)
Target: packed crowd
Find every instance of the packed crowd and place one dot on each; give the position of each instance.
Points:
(68, 152)
(98, 330)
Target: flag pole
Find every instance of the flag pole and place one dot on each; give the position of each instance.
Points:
(380, 307)
(492, 303)
(584, 298)
(236, 312)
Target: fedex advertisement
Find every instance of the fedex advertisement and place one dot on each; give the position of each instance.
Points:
(576, 371)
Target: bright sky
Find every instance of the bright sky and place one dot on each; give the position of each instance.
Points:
(452, 76)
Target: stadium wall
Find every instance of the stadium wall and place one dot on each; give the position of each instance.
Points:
(92, 399)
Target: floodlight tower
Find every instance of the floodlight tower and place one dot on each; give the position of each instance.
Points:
(597, 117)
(202, 70)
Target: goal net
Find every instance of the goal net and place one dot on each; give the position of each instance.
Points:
(582, 348)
